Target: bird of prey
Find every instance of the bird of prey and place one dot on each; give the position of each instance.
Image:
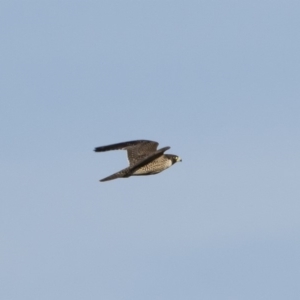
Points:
(143, 156)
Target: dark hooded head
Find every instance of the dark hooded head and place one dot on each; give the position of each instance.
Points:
(174, 158)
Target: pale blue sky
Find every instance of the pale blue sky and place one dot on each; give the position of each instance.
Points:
(218, 81)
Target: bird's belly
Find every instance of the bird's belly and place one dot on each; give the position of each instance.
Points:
(146, 172)
(153, 169)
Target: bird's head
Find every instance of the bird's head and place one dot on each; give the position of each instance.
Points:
(175, 158)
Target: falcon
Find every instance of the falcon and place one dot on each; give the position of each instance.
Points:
(143, 157)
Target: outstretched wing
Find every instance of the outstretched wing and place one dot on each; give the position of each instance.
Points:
(130, 170)
(136, 150)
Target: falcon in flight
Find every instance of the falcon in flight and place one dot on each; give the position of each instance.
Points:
(143, 156)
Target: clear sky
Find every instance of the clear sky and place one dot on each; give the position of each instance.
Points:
(218, 81)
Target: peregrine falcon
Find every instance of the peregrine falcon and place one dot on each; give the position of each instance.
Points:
(143, 157)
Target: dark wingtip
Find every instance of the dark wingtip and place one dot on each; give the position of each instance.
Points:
(107, 179)
(98, 149)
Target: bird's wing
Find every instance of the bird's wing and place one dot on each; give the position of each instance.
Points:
(120, 174)
(130, 170)
(137, 153)
(136, 150)
(120, 146)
